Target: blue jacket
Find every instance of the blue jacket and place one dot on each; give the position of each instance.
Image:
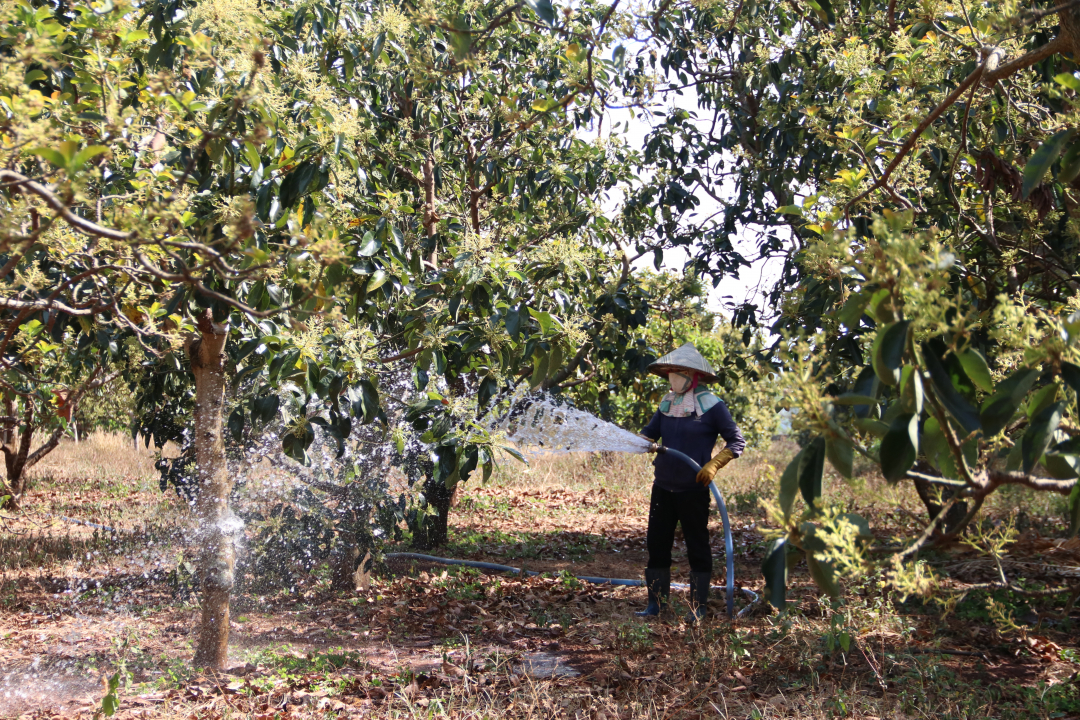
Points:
(694, 435)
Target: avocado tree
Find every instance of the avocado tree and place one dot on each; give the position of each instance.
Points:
(255, 212)
(913, 168)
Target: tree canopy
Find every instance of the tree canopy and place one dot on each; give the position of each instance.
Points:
(913, 167)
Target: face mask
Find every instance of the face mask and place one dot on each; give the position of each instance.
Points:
(679, 383)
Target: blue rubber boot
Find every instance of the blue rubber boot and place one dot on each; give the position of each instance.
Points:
(699, 597)
(658, 583)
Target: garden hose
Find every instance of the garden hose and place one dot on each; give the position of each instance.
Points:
(584, 578)
(518, 571)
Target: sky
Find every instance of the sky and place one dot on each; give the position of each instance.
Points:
(633, 126)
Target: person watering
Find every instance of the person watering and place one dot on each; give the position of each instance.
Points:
(690, 419)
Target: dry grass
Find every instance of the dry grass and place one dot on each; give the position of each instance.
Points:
(100, 457)
(422, 641)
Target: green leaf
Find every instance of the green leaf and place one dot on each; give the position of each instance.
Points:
(1071, 375)
(296, 183)
(867, 385)
(514, 453)
(110, 705)
(377, 48)
(774, 568)
(1062, 466)
(1042, 159)
(513, 322)
(789, 210)
(460, 39)
(841, 454)
(251, 154)
(52, 156)
(950, 398)
(853, 310)
(811, 469)
(618, 55)
(135, 36)
(34, 75)
(1000, 408)
(468, 462)
(377, 280)
(85, 154)
(540, 370)
(881, 308)
(976, 368)
(236, 424)
(1070, 164)
(1039, 435)
(872, 426)
(547, 322)
(935, 448)
(370, 395)
(826, 6)
(295, 442)
(860, 522)
(911, 390)
(544, 104)
(789, 484)
(900, 447)
(445, 463)
(265, 408)
(1042, 399)
(1068, 80)
(545, 10)
(888, 352)
(555, 360)
(823, 574)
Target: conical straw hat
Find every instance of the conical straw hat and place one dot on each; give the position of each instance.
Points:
(684, 358)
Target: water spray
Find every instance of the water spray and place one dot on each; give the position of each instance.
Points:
(548, 425)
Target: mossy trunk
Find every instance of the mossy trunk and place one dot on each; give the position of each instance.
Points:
(212, 515)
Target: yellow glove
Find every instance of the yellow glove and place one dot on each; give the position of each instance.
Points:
(707, 473)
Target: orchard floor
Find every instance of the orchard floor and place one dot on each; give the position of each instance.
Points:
(79, 603)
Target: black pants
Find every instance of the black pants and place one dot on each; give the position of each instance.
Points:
(691, 509)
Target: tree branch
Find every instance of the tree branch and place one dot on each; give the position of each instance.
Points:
(1058, 44)
(997, 478)
(9, 177)
(909, 144)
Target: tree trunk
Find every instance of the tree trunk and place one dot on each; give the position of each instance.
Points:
(928, 493)
(343, 562)
(15, 454)
(433, 532)
(214, 519)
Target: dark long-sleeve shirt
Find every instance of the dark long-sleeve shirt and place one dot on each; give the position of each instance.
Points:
(696, 436)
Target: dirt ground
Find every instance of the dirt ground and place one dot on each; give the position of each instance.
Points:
(79, 604)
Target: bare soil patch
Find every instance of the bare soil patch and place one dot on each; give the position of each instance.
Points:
(78, 603)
